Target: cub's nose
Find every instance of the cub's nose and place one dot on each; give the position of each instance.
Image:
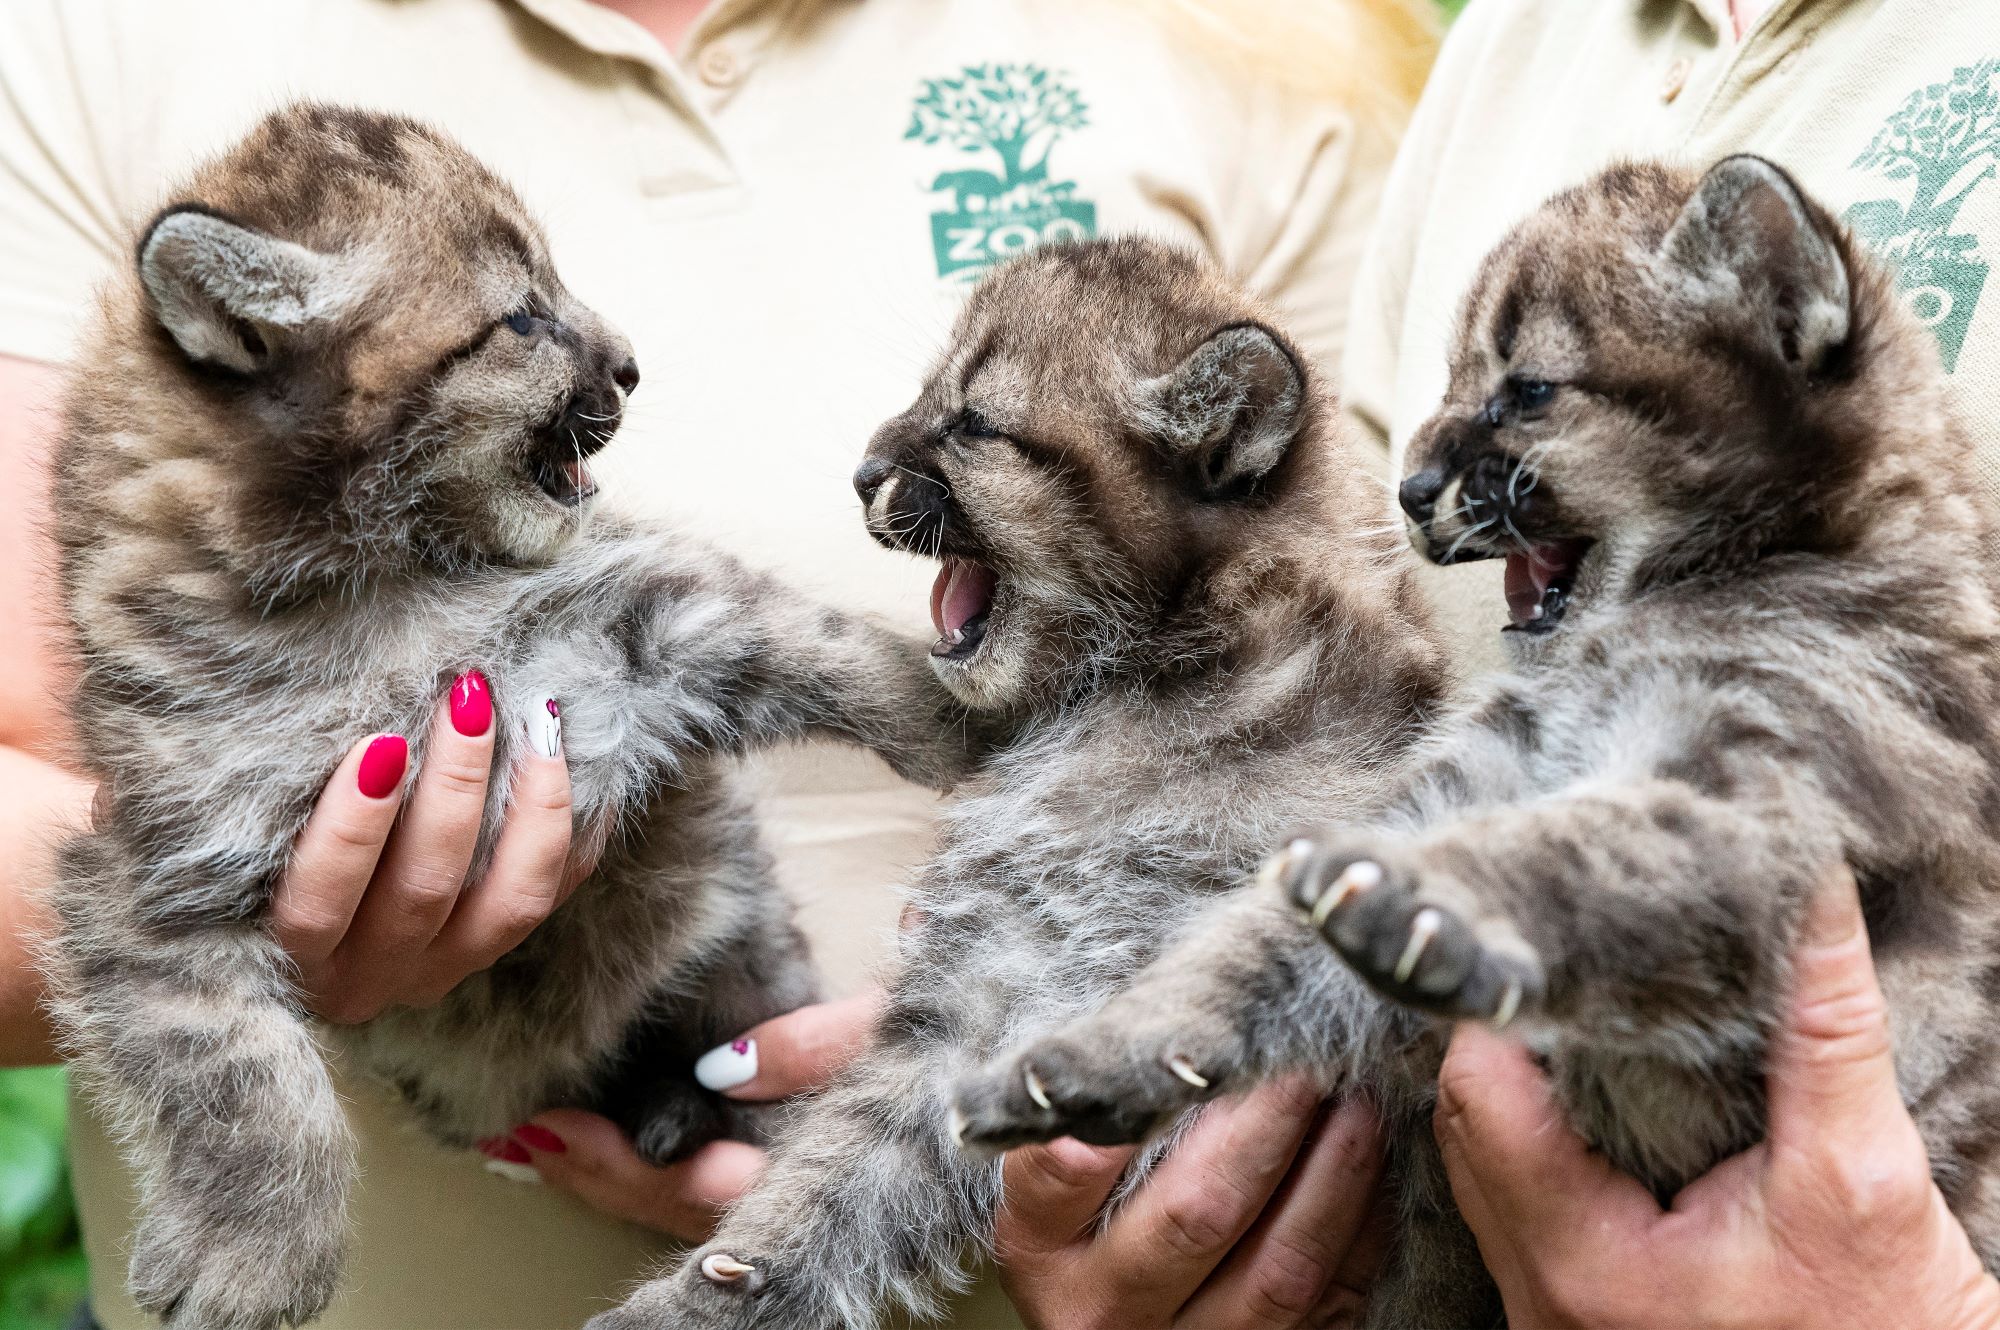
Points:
(626, 376)
(1419, 494)
(868, 477)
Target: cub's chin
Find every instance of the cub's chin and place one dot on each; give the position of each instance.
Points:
(980, 653)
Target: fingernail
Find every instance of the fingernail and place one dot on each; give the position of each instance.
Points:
(545, 728)
(505, 1149)
(382, 765)
(540, 1138)
(725, 1068)
(471, 704)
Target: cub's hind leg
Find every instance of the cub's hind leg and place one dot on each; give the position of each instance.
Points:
(188, 1035)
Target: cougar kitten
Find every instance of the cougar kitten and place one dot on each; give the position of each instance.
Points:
(326, 449)
(1754, 630)
(1156, 554)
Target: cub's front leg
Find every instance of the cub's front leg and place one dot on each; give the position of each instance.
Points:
(1629, 916)
(1247, 992)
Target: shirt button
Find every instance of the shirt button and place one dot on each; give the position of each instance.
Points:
(1677, 78)
(719, 67)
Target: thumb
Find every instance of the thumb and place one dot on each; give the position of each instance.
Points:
(1832, 1077)
(788, 1054)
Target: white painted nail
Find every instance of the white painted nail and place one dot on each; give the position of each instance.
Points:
(1184, 1069)
(545, 728)
(725, 1068)
(1422, 929)
(1361, 875)
(513, 1172)
(1035, 1090)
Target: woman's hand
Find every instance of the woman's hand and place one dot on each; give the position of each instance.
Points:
(587, 1154)
(1832, 1222)
(371, 909)
(1262, 1217)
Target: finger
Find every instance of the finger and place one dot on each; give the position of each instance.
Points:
(1202, 1198)
(524, 883)
(1052, 1193)
(798, 1051)
(336, 852)
(1514, 1164)
(1279, 1274)
(588, 1156)
(425, 863)
(1832, 1076)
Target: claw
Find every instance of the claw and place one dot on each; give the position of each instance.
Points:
(1422, 929)
(1184, 1069)
(1276, 868)
(956, 1123)
(1036, 1091)
(1359, 876)
(723, 1268)
(1510, 1003)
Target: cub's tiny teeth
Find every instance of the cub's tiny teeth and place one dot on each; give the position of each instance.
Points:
(1184, 1069)
(1422, 929)
(1361, 875)
(1510, 1003)
(724, 1268)
(955, 1123)
(1035, 1090)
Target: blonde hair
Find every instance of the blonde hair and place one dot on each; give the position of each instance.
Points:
(1370, 55)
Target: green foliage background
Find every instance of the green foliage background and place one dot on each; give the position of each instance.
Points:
(42, 1271)
(41, 1267)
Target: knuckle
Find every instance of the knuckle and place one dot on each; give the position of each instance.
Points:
(355, 834)
(1195, 1229)
(1289, 1282)
(454, 777)
(1874, 1189)
(1576, 1296)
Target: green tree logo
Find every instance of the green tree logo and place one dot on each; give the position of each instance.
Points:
(1945, 142)
(1013, 114)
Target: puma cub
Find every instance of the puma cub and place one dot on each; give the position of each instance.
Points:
(1748, 570)
(1158, 557)
(326, 449)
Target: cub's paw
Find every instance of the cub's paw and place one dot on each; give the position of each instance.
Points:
(1408, 932)
(675, 1126)
(713, 1290)
(1101, 1091)
(241, 1274)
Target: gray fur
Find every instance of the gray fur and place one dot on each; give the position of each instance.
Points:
(1777, 655)
(288, 520)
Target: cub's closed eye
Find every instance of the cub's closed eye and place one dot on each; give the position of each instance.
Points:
(521, 321)
(972, 425)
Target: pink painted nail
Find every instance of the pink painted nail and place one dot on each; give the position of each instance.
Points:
(505, 1149)
(471, 704)
(382, 765)
(540, 1138)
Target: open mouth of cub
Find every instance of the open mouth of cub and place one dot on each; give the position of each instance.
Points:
(560, 463)
(1539, 582)
(961, 608)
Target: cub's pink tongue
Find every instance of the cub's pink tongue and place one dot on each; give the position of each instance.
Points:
(1528, 578)
(963, 591)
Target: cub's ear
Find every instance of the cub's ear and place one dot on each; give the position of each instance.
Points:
(229, 293)
(1749, 239)
(1230, 410)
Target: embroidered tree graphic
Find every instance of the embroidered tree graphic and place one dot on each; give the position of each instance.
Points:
(1941, 134)
(1003, 107)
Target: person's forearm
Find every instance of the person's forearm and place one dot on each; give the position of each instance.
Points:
(39, 804)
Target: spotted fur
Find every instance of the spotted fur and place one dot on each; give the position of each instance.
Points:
(1203, 639)
(1765, 646)
(325, 450)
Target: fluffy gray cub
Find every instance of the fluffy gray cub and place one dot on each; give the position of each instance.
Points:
(1157, 555)
(326, 448)
(1754, 630)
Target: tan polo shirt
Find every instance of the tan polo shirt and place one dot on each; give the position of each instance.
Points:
(1889, 110)
(783, 221)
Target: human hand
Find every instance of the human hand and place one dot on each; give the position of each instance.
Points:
(1262, 1216)
(371, 910)
(589, 1156)
(1832, 1222)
